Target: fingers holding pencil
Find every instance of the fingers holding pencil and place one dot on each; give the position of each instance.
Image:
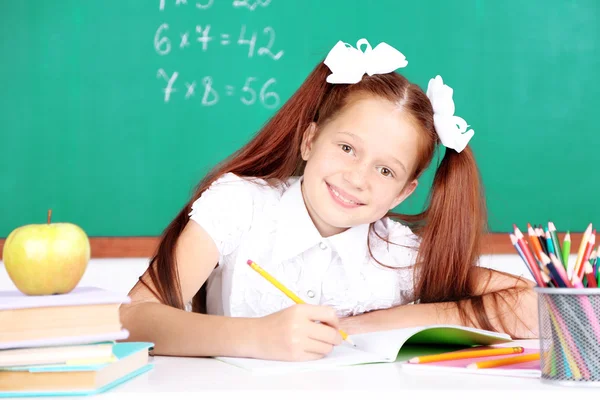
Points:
(292, 295)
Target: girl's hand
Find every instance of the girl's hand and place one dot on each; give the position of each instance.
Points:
(293, 334)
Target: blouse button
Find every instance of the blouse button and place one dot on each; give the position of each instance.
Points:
(322, 245)
(310, 294)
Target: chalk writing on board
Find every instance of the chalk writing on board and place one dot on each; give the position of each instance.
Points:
(250, 93)
(204, 4)
(162, 42)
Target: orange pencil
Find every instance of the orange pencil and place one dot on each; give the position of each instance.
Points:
(535, 241)
(459, 355)
(505, 361)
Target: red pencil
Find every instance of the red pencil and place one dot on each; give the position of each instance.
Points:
(589, 274)
(529, 256)
(586, 253)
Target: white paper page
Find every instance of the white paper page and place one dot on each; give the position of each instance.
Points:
(341, 355)
(384, 344)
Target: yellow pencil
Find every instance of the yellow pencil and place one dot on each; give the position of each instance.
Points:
(582, 246)
(505, 361)
(458, 355)
(288, 292)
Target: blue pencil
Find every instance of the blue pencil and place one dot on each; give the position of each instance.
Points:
(549, 243)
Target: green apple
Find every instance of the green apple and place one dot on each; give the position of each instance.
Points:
(44, 259)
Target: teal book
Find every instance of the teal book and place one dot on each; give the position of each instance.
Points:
(76, 380)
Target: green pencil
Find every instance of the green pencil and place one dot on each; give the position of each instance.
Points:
(566, 249)
(555, 241)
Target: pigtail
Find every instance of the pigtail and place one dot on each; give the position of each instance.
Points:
(451, 238)
(453, 227)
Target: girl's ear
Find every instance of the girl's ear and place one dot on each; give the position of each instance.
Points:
(307, 140)
(407, 191)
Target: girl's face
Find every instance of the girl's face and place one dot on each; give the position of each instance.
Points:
(358, 164)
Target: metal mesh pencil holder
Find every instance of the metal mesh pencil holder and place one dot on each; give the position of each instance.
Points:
(569, 335)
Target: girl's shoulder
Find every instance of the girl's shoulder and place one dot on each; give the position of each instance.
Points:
(396, 232)
(395, 242)
(242, 192)
(230, 205)
(232, 184)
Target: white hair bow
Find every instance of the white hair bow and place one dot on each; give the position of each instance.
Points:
(348, 65)
(451, 129)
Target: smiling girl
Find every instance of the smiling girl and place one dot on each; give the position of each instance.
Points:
(309, 199)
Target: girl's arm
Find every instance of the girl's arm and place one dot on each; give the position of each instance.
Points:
(292, 333)
(507, 299)
(177, 332)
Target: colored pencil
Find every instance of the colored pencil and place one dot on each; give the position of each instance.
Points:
(514, 240)
(505, 361)
(597, 265)
(561, 270)
(460, 355)
(582, 246)
(540, 234)
(287, 292)
(589, 274)
(593, 259)
(587, 252)
(530, 259)
(555, 241)
(547, 280)
(554, 270)
(566, 250)
(549, 243)
(576, 281)
(535, 242)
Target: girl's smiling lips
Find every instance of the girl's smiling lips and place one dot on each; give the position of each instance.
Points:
(343, 198)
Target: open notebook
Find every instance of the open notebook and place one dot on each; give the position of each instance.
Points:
(381, 347)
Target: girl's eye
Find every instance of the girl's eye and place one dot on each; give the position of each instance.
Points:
(346, 148)
(386, 171)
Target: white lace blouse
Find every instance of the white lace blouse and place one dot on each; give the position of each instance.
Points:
(249, 220)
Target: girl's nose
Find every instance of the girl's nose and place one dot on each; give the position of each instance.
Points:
(356, 176)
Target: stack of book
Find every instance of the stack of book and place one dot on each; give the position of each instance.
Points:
(65, 344)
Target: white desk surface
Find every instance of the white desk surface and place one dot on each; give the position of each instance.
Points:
(191, 377)
(198, 375)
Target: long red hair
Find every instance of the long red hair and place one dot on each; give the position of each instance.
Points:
(450, 228)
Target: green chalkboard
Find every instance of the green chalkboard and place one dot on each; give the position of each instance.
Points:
(112, 110)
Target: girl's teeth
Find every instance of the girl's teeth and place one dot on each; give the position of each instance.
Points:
(339, 196)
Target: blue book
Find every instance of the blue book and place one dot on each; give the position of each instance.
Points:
(76, 380)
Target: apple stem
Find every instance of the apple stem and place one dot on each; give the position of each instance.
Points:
(49, 216)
